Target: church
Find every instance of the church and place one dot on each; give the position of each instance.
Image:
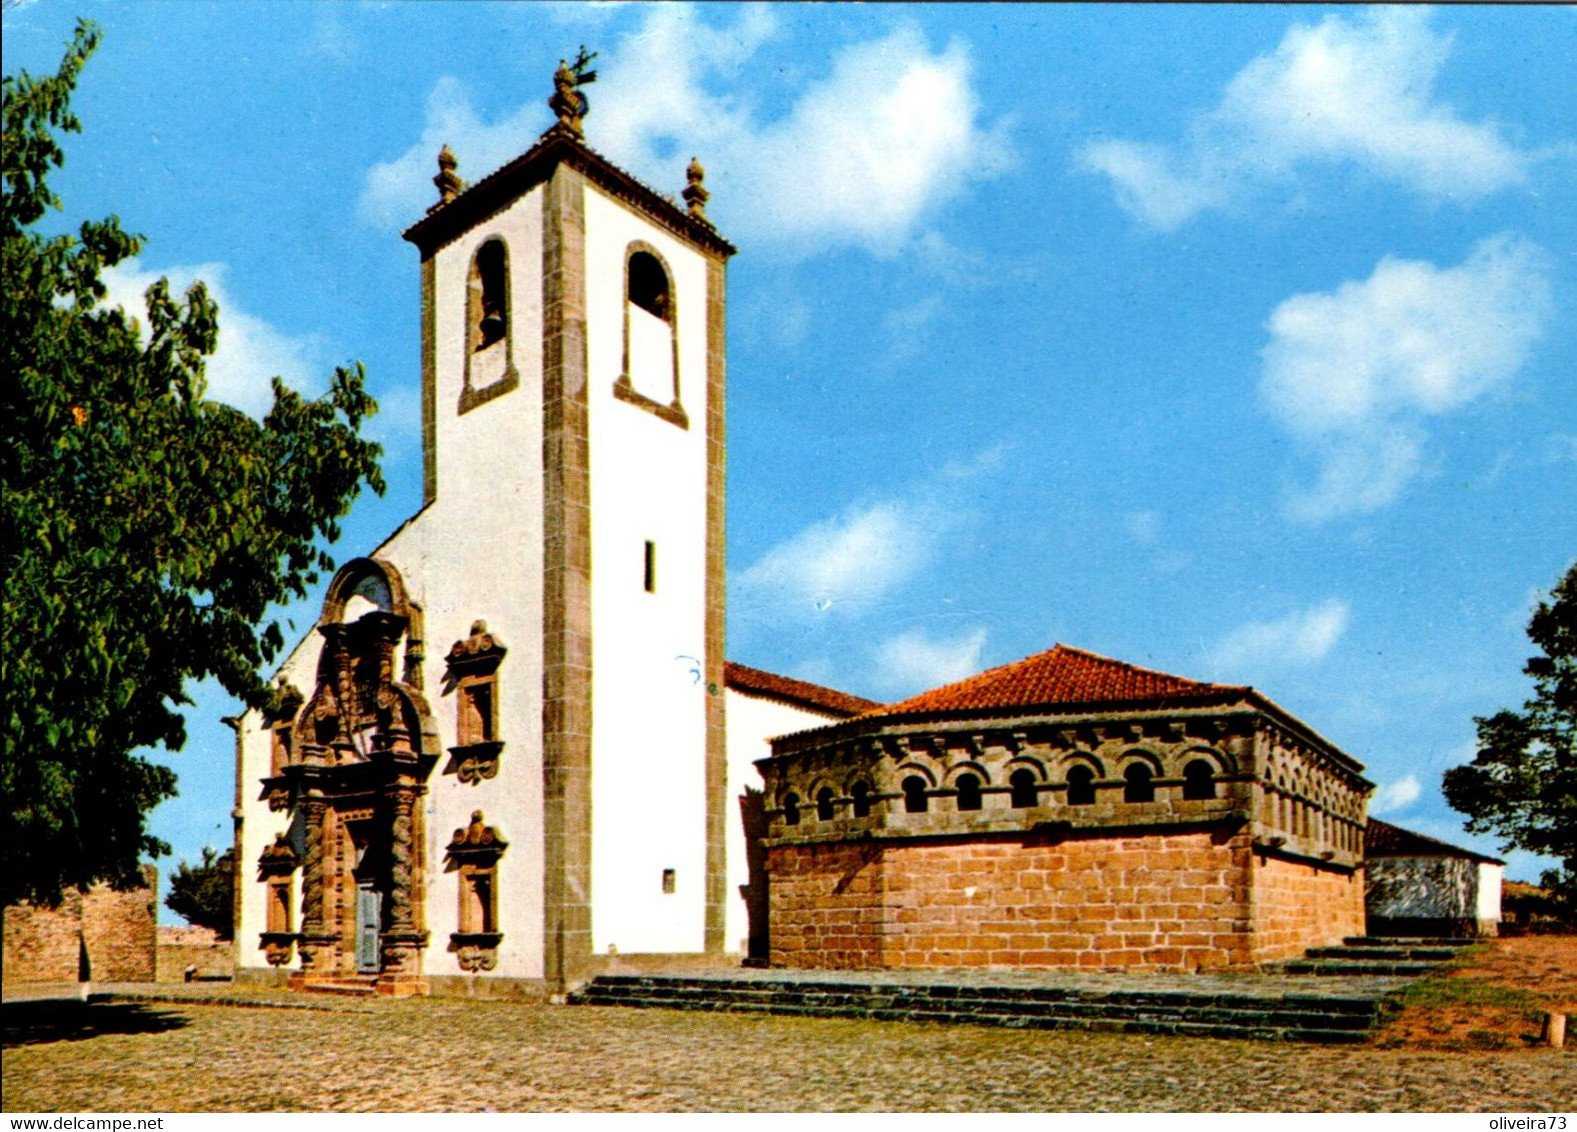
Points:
(512, 754)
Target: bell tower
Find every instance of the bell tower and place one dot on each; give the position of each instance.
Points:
(573, 481)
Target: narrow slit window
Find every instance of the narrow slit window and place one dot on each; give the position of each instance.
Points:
(791, 809)
(670, 882)
(914, 795)
(825, 809)
(861, 795)
(1025, 793)
(650, 567)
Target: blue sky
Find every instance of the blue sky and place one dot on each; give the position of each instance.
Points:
(1231, 341)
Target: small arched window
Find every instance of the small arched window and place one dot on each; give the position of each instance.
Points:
(1081, 786)
(791, 809)
(651, 341)
(824, 806)
(648, 285)
(1199, 780)
(489, 367)
(493, 308)
(1138, 784)
(1025, 789)
(914, 795)
(861, 794)
(968, 791)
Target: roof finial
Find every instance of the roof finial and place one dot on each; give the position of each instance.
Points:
(695, 194)
(449, 185)
(568, 102)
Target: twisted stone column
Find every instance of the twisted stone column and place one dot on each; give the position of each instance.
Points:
(313, 883)
(402, 852)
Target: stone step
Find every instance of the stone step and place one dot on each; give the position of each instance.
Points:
(1312, 1012)
(1456, 944)
(858, 991)
(1357, 967)
(1307, 1018)
(344, 986)
(1411, 953)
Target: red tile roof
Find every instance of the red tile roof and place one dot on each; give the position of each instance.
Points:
(753, 681)
(1062, 675)
(1382, 839)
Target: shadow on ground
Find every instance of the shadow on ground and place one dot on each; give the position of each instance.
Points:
(36, 1023)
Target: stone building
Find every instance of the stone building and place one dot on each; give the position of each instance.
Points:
(97, 935)
(498, 764)
(1418, 886)
(1066, 810)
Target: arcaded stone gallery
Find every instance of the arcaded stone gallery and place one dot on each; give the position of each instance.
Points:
(1063, 811)
(511, 756)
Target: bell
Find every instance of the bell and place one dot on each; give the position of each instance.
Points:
(492, 328)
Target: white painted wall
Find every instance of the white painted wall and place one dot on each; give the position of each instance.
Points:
(753, 721)
(648, 482)
(1488, 902)
(474, 553)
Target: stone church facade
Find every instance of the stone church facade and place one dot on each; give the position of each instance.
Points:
(499, 764)
(501, 754)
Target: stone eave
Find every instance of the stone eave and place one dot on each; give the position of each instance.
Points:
(1062, 715)
(499, 189)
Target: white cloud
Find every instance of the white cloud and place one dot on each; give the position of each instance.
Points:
(1346, 90)
(820, 175)
(1144, 526)
(847, 562)
(1302, 637)
(398, 192)
(1395, 796)
(1355, 372)
(913, 661)
(250, 351)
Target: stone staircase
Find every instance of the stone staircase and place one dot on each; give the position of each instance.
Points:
(1264, 1008)
(1377, 955)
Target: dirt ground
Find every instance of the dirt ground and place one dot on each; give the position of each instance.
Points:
(1493, 998)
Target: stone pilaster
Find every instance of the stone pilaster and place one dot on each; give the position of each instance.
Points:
(716, 611)
(566, 561)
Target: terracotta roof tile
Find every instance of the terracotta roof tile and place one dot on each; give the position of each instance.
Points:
(1382, 839)
(827, 700)
(1062, 675)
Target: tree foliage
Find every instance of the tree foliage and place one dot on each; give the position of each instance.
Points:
(147, 530)
(1522, 785)
(204, 894)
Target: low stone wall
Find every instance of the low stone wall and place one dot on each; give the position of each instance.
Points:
(1176, 901)
(195, 950)
(100, 936)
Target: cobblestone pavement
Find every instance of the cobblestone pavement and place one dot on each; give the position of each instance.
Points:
(446, 1055)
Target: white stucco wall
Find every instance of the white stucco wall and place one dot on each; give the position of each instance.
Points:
(1489, 878)
(474, 554)
(648, 483)
(753, 721)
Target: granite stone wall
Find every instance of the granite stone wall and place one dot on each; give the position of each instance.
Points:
(99, 936)
(1167, 902)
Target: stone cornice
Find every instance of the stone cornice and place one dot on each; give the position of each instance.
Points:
(499, 189)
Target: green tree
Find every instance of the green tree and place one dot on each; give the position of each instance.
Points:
(147, 531)
(1522, 785)
(204, 894)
